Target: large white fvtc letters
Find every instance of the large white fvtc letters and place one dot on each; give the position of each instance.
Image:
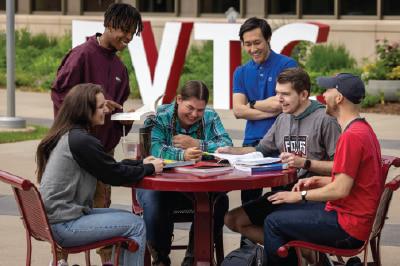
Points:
(158, 72)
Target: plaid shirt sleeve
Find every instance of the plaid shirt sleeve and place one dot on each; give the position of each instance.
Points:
(161, 141)
(215, 134)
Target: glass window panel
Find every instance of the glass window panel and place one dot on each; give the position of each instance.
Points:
(287, 7)
(157, 5)
(318, 7)
(220, 6)
(49, 5)
(358, 7)
(96, 5)
(2, 4)
(391, 7)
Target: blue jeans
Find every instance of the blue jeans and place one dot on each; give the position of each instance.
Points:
(158, 207)
(100, 224)
(306, 222)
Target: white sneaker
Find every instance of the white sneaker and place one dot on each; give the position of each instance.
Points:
(61, 262)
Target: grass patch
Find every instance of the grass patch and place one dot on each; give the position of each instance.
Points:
(38, 133)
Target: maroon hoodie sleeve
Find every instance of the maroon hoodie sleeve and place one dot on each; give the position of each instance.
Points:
(68, 75)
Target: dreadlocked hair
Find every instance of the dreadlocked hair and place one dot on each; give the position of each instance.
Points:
(198, 90)
(124, 17)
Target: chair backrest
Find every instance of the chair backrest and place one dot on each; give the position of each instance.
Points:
(383, 207)
(387, 162)
(30, 206)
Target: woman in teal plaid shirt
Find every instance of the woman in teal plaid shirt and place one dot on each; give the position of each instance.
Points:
(183, 130)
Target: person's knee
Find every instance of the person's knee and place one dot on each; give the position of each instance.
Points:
(230, 221)
(234, 220)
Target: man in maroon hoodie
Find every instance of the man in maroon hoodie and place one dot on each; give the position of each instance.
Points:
(96, 61)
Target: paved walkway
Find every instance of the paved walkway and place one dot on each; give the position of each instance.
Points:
(19, 158)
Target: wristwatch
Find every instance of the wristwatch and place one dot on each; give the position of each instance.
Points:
(307, 164)
(304, 195)
(251, 104)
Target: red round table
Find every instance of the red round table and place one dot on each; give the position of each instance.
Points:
(203, 203)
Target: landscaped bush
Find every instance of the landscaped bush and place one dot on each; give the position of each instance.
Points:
(38, 57)
(36, 60)
(387, 66)
(324, 60)
(370, 100)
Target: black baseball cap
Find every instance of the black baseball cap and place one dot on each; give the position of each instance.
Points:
(347, 84)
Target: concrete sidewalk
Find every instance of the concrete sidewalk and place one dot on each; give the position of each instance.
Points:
(19, 158)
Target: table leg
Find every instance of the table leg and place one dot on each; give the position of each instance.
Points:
(203, 229)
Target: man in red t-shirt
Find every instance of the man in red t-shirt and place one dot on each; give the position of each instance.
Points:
(340, 208)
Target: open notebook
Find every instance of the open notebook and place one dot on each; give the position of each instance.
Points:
(253, 158)
(140, 114)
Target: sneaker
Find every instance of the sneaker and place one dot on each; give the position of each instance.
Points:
(61, 262)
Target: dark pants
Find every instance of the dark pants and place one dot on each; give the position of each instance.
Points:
(158, 207)
(306, 222)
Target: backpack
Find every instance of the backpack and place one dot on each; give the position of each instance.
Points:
(248, 255)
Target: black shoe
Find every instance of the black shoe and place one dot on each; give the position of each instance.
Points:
(354, 261)
(324, 260)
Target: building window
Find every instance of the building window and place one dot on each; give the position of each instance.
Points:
(220, 6)
(391, 8)
(282, 7)
(157, 6)
(358, 7)
(318, 7)
(49, 5)
(96, 5)
(2, 4)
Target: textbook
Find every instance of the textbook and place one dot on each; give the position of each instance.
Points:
(140, 114)
(204, 171)
(168, 164)
(262, 168)
(252, 158)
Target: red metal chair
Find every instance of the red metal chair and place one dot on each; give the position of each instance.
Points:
(36, 224)
(374, 239)
(179, 216)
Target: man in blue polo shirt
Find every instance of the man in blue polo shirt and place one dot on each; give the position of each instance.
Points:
(254, 85)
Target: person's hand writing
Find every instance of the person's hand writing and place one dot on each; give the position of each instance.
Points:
(192, 154)
(285, 197)
(185, 142)
(292, 160)
(225, 149)
(127, 122)
(111, 105)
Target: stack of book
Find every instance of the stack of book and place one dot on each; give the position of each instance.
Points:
(253, 162)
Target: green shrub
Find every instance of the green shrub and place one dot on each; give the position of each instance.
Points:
(325, 58)
(387, 64)
(370, 100)
(37, 58)
(301, 51)
(199, 65)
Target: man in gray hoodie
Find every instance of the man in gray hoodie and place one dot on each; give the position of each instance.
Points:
(304, 135)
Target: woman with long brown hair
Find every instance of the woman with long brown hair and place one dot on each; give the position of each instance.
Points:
(182, 130)
(70, 161)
